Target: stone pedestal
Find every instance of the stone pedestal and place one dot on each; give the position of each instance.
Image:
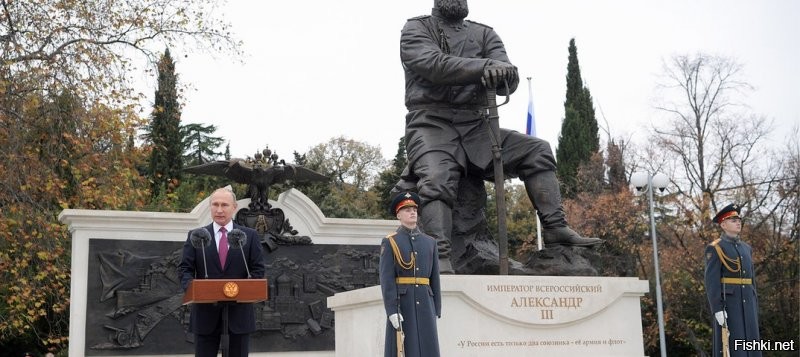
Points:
(485, 315)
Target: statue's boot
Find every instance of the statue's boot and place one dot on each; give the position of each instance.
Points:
(545, 194)
(566, 236)
(436, 220)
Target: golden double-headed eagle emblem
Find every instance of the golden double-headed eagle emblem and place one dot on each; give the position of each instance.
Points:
(230, 289)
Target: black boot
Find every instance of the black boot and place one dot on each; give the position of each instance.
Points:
(436, 220)
(545, 195)
(566, 236)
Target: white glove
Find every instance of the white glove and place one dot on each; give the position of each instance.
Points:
(721, 316)
(396, 319)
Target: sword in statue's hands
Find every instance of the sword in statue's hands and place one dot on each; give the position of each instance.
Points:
(493, 123)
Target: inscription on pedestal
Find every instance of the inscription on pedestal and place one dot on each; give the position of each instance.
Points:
(548, 302)
(531, 345)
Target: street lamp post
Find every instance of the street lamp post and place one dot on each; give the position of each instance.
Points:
(645, 181)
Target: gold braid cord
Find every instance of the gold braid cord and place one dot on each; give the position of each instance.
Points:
(406, 265)
(726, 259)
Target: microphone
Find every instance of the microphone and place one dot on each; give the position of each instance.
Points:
(237, 238)
(200, 239)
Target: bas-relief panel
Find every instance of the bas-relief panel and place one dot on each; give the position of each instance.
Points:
(134, 297)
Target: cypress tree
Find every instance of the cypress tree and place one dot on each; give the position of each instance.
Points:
(578, 140)
(164, 134)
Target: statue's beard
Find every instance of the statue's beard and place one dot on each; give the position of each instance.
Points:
(453, 9)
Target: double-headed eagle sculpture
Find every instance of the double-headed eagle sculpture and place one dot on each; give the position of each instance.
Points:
(259, 173)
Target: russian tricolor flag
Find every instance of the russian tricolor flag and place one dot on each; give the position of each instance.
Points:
(530, 129)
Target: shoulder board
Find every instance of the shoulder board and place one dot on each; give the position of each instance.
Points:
(391, 235)
(421, 17)
(479, 24)
(715, 242)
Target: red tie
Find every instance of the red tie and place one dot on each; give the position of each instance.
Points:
(223, 246)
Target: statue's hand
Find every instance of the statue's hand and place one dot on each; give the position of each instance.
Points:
(496, 74)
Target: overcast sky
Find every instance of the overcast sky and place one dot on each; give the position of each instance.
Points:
(319, 69)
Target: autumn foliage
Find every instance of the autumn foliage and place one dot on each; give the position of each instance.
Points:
(56, 154)
(68, 123)
(622, 220)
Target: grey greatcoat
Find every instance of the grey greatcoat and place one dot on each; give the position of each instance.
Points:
(738, 299)
(419, 304)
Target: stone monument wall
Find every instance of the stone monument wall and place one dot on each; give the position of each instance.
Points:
(125, 293)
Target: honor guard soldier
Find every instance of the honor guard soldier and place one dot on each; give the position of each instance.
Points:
(730, 287)
(409, 274)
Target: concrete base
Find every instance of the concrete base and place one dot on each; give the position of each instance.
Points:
(486, 315)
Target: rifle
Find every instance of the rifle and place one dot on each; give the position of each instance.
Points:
(493, 119)
(726, 335)
(400, 334)
(401, 340)
(725, 332)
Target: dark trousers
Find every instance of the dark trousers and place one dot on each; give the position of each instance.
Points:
(209, 345)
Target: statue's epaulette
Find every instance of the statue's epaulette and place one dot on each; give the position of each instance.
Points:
(391, 235)
(420, 17)
(480, 24)
(715, 242)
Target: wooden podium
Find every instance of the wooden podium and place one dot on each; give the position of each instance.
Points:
(208, 291)
(226, 292)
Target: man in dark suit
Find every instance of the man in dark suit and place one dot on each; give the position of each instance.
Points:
(730, 286)
(223, 263)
